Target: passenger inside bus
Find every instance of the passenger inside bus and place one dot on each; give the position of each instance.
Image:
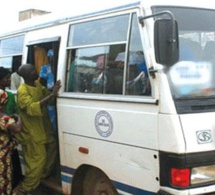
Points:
(209, 56)
(47, 79)
(109, 76)
(137, 82)
(115, 77)
(105, 75)
(209, 51)
(190, 50)
(137, 77)
(40, 57)
(99, 79)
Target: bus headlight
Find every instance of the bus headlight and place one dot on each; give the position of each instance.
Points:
(202, 174)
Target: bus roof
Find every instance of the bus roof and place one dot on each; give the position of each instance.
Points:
(75, 14)
(90, 11)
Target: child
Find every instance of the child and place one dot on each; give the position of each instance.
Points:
(8, 126)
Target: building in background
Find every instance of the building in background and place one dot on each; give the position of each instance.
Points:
(30, 13)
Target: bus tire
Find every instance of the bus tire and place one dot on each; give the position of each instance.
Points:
(97, 183)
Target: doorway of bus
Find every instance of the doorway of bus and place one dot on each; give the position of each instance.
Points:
(44, 55)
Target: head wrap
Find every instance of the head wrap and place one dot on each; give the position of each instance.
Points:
(3, 97)
(50, 53)
(3, 72)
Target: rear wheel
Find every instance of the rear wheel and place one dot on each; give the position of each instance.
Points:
(97, 183)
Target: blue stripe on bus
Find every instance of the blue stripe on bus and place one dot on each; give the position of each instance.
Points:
(120, 186)
(68, 170)
(66, 179)
(131, 189)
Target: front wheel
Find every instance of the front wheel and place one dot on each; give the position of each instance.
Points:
(97, 183)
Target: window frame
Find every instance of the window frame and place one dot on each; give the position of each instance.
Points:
(127, 45)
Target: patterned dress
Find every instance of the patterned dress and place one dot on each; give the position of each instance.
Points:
(7, 144)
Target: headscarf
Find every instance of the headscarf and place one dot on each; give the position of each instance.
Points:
(50, 53)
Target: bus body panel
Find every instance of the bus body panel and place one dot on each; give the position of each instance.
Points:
(171, 137)
(199, 131)
(83, 133)
(103, 154)
(117, 129)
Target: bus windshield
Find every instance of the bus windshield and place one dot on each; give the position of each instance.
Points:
(193, 76)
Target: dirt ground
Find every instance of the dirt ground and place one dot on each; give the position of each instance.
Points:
(44, 190)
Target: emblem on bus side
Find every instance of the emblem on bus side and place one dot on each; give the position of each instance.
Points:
(104, 123)
(204, 136)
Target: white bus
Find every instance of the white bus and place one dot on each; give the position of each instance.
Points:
(136, 111)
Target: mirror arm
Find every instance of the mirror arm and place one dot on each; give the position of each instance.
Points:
(152, 72)
(141, 18)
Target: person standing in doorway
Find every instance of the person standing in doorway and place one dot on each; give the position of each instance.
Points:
(47, 79)
(37, 138)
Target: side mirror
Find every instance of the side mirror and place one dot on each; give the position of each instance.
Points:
(166, 41)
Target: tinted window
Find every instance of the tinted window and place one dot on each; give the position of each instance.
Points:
(95, 70)
(11, 46)
(99, 31)
(10, 50)
(117, 66)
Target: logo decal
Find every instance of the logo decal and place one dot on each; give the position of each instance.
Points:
(103, 123)
(204, 136)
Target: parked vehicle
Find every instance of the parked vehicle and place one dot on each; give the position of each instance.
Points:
(136, 111)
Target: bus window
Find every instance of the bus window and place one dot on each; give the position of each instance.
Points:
(11, 50)
(99, 31)
(116, 67)
(137, 81)
(12, 46)
(93, 70)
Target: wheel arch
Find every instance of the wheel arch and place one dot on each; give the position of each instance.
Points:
(80, 175)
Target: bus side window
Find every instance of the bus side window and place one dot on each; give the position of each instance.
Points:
(115, 78)
(118, 57)
(80, 77)
(71, 77)
(94, 70)
(137, 76)
(99, 79)
(137, 80)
